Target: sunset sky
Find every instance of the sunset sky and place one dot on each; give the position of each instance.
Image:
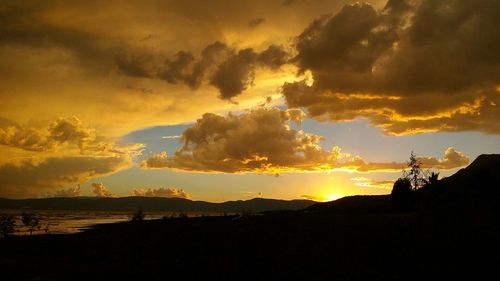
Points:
(227, 100)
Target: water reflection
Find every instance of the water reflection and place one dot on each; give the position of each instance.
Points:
(62, 222)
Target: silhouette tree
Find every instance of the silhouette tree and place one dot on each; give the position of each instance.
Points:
(31, 221)
(7, 225)
(430, 194)
(415, 174)
(405, 187)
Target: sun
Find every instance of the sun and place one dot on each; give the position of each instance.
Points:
(331, 197)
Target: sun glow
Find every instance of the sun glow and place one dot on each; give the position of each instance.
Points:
(331, 197)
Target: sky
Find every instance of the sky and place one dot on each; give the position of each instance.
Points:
(232, 100)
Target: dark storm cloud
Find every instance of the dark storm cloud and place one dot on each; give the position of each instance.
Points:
(256, 22)
(273, 57)
(184, 68)
(24, 25)
(229, 70)
(291, 2)
(415, 66)
(175, 70)
(134, 65)
(234, 75)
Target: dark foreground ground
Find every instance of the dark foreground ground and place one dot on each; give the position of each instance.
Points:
(331, 244)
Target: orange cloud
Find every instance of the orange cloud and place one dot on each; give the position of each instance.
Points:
(366, 182)
(261, 141)
(451, 159)
(38, 160)
(415, 66)
(69, 192)
(257, 141)
(167, 192)
(313, 198)
(100, 190)
(30, 178)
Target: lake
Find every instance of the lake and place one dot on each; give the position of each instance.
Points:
(63, 222)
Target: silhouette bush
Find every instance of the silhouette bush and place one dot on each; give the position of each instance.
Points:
(31, 221)
(416, 187)
(431, 192)
(7, 225)
(138, 216)
(402, 195)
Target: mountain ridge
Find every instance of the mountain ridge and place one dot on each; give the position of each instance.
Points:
(131, 203)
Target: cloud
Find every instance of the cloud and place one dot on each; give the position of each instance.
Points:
(451, 159)
(38, 160)
(415, 66)
(257, 141)
(256, 22)
(313, 198)
(228, 69)
(135, 65)
(253, 194)
(273, 57)
(171, 137)
(67, 132)
(231, 71)
(32, 177)
(234, 75)
(69, 192)
(112, 73)
(64, 130)
(100, 190)
(262, 141)
(366, 182)
(70, 129)
(24, 138)
(166, 192)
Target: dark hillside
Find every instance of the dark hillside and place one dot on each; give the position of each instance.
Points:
(152, 204)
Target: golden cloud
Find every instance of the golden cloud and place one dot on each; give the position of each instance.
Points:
(258, 141)
(167, 192)
(262, 141)
(366, 182)
(126, 67)
(37, 160)
(451, 159)
(313, 198)
(100, 190)
(30, 179)
(68, 192)
(415, 66)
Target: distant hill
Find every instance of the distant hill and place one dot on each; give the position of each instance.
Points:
(355, 204)
(152, 204)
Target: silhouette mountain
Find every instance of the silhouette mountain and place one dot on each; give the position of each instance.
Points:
(354, 204)
(476, 184)
(150, 204)
(481, 176)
